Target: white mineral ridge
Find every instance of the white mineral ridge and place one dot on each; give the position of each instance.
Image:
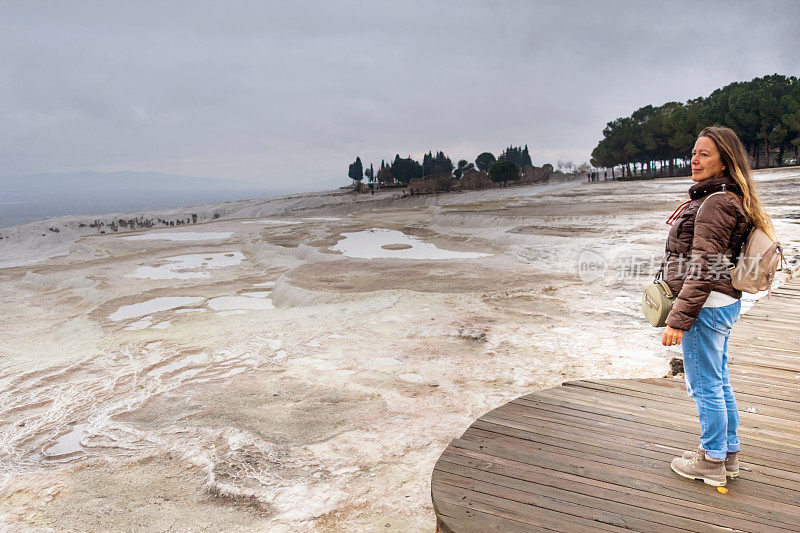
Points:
(182, 236)
(276, 222)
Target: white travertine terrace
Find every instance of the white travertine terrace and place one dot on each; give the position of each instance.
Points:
(327, 411)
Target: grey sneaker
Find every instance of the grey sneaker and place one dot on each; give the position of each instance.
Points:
(701, 466)
(731, 461)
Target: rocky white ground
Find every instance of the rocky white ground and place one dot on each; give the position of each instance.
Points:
(299, 363)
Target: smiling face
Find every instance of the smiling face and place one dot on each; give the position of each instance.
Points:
(706, 161)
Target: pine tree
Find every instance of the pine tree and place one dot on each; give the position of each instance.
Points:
(484, 161)
(504, 171)
(356, 171)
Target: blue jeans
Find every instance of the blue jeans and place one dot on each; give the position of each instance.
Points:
(705, 364)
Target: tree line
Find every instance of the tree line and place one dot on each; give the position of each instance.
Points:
(764, 112)
(510, 165)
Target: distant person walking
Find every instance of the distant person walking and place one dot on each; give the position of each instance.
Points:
(708, 305)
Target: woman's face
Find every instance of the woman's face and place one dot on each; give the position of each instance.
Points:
(706, 162)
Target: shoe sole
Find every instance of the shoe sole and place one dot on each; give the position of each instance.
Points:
(706, 480)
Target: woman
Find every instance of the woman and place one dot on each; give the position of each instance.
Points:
(700, 244)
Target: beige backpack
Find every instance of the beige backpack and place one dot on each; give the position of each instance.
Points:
(756, 262)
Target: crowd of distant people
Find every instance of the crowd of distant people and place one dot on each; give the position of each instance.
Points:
(595, 175)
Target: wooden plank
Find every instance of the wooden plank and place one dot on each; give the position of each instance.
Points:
(451, 518)
(769, 377)
(758, 348)
(678, 399)
(676, 410)
(776, 322)
(770, 363)
(784, 416)
(749, 354)
(781, 317)
(592, 418)
(791, 401)
(588, 506)
(753, 350)
(776, 342)
(766, 331)
(661, 481)
(622, 470)
(604, 414)
(643, 390)
(654, 449)
(754, 345)
(458, 492)
(566, 505)
(686, 441)
(766, 377)
(604, 495)
(764, 394)
(595, 418)
(638, 440)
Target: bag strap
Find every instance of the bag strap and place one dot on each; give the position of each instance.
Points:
(707, 197)
(675, 214)
(737, 249)
(660, 273)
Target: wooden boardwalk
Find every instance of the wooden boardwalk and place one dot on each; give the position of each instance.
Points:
(594, 455)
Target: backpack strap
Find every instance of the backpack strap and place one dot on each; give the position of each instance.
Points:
(737, 249)
(707, 197)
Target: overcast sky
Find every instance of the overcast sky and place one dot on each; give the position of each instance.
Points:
(286, 94)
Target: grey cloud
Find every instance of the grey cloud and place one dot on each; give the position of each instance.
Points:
(288, 93)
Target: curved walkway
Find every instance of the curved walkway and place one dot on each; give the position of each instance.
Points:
(594, 455)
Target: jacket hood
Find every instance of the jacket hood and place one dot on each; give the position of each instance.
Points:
(707, 186)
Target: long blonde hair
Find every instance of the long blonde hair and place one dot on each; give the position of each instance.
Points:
(737, 166)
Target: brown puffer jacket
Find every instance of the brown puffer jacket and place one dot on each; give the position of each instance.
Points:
(696, 246)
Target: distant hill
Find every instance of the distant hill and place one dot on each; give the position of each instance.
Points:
(102, 184)
(38, 196)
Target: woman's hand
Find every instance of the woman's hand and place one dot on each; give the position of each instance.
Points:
(671, 336)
